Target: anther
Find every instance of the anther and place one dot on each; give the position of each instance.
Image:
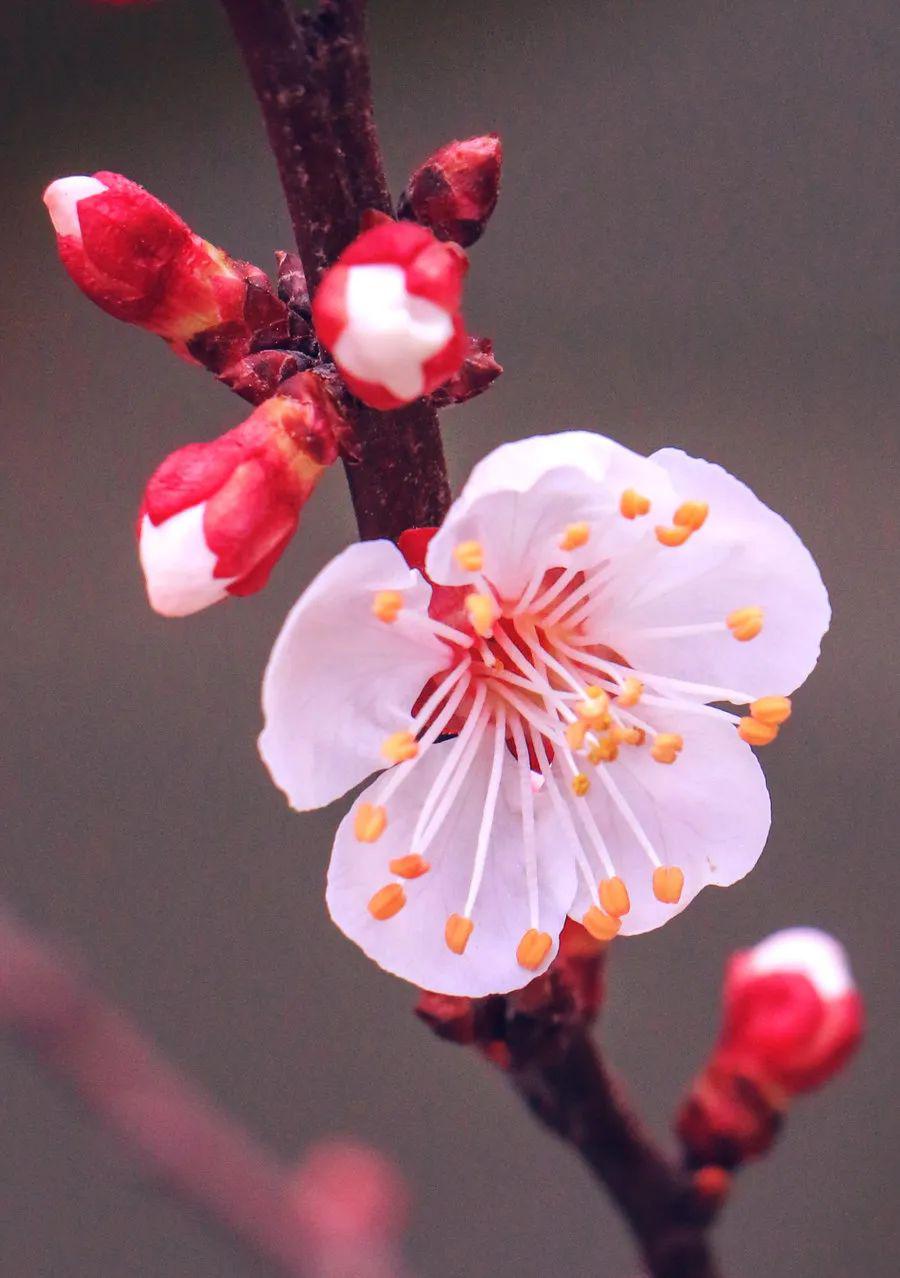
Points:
(533, 948)
(575, 734)
(614, 897)
(756, 733)
(595, 709)
(632, 504)
(575, 535)
(629, 736)
(604, 750)
(630, 693)
(691, 514)
(387, 605)
(482, 613)
(672, 536)
(775, 710)
(399, 747)
(666, 747)
(602, 927)
(668, 884)
(580, 785)
(369, 822)
(409, 867)
(470, 556)
(745, 623)
(387, 902)
(457, 932)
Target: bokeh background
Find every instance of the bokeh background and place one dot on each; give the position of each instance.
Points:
(696, 244)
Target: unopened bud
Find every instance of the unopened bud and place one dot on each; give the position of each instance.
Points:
(455, 191)
(217, 516)
(388, 311)
(479, 369)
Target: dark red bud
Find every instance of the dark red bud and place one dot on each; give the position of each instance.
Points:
(455, 191)
(479, 370)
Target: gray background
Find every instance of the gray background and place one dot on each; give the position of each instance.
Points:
(696, 245)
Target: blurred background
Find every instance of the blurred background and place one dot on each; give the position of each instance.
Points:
(696, 244)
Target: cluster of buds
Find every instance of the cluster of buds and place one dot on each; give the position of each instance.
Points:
(216, 516)
(792, 1019)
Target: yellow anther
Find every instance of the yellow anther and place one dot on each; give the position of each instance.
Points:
(575, 734)
(630, 693)
(369, 822)
(580, 784)
(594, 690)
(409, 867)
(629, 736)
(614, 897)
(533, 948)
(457, 932)
(595, 709)
(604, 750)
(387, 902)
(691, 514)
(632, 504)
(602, 927)
(756, 733)
(674, 536)
(745, 623)
(775, 710)
(668, 884)
(399, 747)
(482, 613)
(575, 535)
(470, 556)
(666, 747)
(387, 605)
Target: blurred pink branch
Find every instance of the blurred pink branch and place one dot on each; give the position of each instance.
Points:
(337, 1216)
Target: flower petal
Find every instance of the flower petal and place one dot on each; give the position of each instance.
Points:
(744, 555)
(708, 813)
(339, 680)
(411, 944)
(519, 501)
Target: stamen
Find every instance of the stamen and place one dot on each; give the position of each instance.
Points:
(576, 535)
(668, 884)
(575, 733)
(630, 693)
(565, 815)
(601, 926)
(369, 822)
(457, 932)
(470, 556)
(490, 805)
(456, 686)
(756, 733)
(450, 633)
(691, 514)
(775, 710)
(387, 902)
(604, 750)
(482, 613)
(452, 774)
(614, 897)
(580, 785)
(583, 599)
(553, 590)
(674, 536)
(595, 709)
(666, 747)
(628, 736)
(633, 504)
(631, 820)
(526, 800)
(387, 605)
(533, 949)
(412, 866)
(745, 623)
(708, 690)
(399, 747)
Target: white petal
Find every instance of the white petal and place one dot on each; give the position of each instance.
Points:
(390, 333)
(339, 680)
(411, 944)
(520, 499)
(744, 555)
(61, 198)
(707, 813)
(178, 564)
(809, 951)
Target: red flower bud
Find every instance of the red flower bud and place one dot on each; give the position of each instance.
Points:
(455, 191)
(388, 312)
(478, 371)
(217, 516)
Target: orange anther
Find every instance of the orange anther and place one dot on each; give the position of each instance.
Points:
(580, 785)
(409, 867)
(399, 747)
(668, 884)
(775, 710)
(632, 504)
(533, 948)
(745, 623)
(387, 605)
(614, 897)
(482, 613)
(595, 709)
(602, 927)
(470, 556)
(674, 536)
(691, 514)
(630, 693)
(575, 535)
(457, 932)
(756, 733)
(575, 734)
(594, 690)
(369, 822)
(666, 747)
(629, 736)
(387, 901)
(605, 750)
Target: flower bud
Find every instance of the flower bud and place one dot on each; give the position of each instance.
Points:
(388, 312)
(217, 516)
(455, 191)
(478, 371)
